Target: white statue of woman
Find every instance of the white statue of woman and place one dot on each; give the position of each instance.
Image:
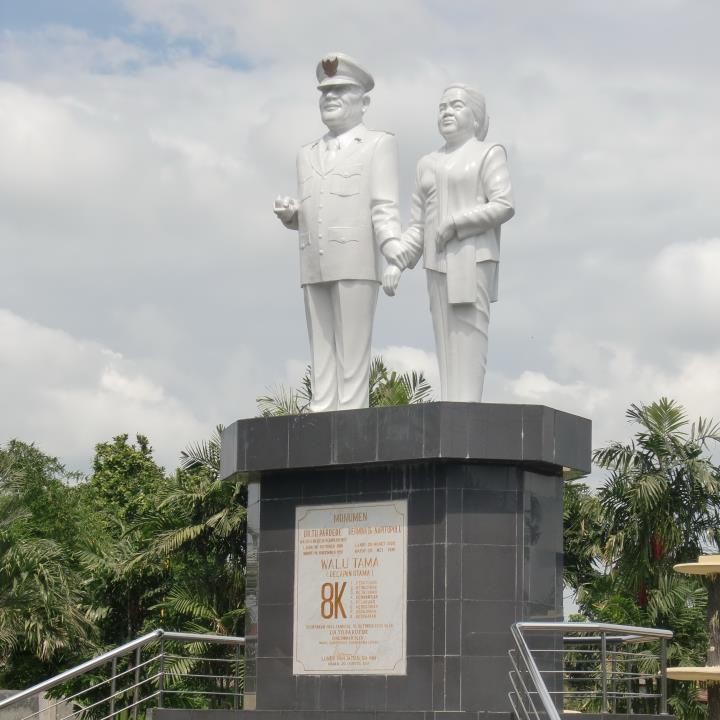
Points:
(462, 197)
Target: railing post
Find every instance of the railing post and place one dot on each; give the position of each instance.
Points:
(161, 678)
(136, 690)
(613, 676)
(603, 671)
(113, 687)
(663, 676)
(236, 698)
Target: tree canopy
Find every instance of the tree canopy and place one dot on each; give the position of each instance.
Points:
(89, 562)
(658, 505)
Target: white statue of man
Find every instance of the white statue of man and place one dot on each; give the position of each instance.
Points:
(462, 196)
(347, 218)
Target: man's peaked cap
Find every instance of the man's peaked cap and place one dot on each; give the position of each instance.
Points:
(340, 69)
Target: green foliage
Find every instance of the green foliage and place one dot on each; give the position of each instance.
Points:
(125, 477)
(581, 530)
(386, 387)
(197, 533)
(685, 702)
(659, 505)
(44, 620)
(124, 485)
(282, 400)
(89, 564)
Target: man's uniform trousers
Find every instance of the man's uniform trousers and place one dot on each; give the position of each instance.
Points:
(340, 319)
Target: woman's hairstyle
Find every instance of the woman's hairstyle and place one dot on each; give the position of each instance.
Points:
(476, 102)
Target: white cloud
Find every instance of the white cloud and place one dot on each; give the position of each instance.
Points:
(66, 394)
(535, 387)
(685, 279)
(197, 154)
(136, 182)
(614, 378)
(266, 33)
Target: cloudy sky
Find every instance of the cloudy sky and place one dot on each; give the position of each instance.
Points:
(145, 285)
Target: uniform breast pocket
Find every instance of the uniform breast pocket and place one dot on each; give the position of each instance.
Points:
(346, 182)
(343, 235)
(305, 188)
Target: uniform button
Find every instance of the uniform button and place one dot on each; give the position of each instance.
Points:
(319, 236)
(321, 252)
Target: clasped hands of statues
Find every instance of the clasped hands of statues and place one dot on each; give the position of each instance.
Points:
(397, 252)
(399, 255)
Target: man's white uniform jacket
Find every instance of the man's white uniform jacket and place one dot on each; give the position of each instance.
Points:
(347, 210)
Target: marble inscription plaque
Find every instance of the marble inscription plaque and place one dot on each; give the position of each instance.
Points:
(350, 589)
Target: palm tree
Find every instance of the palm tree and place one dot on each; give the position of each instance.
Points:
(196, 535)
(659, 505)
(198, 532)
(661, 502)
(386, 387)
(44, 620)
(581, 533)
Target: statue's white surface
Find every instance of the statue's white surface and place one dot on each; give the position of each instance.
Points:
(346, 214)
(462, 196)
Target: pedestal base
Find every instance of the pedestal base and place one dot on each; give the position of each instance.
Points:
(483, 485)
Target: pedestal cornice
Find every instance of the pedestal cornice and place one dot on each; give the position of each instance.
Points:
(532, 435)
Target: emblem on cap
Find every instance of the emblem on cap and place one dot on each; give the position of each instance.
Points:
(330, 66)
(336, 68)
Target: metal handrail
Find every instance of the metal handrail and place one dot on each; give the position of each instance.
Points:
(534, 672)
(606, 633)
(629, 632)
(111, 656)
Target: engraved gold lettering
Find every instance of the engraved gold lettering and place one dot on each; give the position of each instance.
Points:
(331, 600)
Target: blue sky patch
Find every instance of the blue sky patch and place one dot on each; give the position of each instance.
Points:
(109, 19)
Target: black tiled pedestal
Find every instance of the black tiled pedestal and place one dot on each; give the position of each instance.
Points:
(483, 484)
